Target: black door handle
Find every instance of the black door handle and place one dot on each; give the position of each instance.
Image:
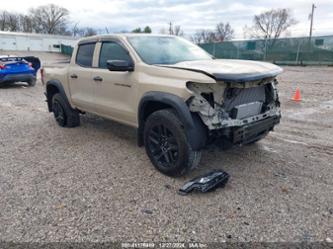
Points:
(97, 78)
(74, 76)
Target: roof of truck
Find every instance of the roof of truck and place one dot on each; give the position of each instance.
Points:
(122, 35)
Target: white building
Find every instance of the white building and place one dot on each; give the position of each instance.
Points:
(33, 42)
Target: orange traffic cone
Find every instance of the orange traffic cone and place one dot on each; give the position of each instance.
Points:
(297, 96)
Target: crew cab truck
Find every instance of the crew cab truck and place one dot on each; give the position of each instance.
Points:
(178, 97)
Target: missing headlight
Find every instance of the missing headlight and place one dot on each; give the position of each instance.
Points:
(209, 97)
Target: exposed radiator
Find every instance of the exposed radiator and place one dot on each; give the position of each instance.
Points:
(235, 96)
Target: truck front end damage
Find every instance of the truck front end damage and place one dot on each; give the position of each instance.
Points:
(236, 112)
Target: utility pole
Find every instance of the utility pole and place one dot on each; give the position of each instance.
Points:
(170, 28)
(311, 24)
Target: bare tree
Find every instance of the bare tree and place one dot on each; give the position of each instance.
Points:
(49, 19)
(13, 22)
(3, 20)
(197, 38)
(223, 32)
(177, 30)
(204, 36)
(269, 25)
(76, 31)
(88, 31)
(25, 23)
(9, 21)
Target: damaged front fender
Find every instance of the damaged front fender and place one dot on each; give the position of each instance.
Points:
(205, 102)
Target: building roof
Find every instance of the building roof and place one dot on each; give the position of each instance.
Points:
(37, 35)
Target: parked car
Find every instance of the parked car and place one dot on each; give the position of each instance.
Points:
(18, 69)
(178, 97)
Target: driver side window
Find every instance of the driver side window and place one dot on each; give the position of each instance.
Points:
(112, 51)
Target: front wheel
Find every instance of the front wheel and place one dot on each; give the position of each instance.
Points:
(167, 145)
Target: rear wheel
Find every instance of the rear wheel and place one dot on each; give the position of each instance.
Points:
(167, 145)
(63, 113)
(32, 82)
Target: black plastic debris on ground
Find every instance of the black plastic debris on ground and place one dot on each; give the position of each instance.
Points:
(208, 182)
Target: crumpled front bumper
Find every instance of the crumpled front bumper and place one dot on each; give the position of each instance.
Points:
(253, 131)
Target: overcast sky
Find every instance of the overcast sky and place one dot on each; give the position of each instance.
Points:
(192, 15)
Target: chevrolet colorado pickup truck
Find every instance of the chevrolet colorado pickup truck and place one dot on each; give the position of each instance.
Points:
(179, 97)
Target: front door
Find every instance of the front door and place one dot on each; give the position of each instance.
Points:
(114, 91)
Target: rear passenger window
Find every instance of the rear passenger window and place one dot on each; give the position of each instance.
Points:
(85, 54)
(112, 51)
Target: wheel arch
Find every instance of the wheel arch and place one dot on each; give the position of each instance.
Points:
(195, 130)
(53, 87)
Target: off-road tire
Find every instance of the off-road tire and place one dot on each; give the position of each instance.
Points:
(182, 158)
(64, 114)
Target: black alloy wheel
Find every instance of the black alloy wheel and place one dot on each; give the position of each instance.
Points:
(163, 144)
(167, 144)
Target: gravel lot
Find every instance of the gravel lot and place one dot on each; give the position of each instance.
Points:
(93, 183)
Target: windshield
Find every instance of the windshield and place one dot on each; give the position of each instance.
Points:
(166, 49)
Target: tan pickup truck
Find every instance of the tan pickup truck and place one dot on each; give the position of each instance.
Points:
(179, 97)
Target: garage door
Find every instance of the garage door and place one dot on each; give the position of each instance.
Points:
(7, 43)
(36, 45)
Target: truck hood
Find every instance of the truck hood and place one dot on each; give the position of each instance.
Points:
(231, 70)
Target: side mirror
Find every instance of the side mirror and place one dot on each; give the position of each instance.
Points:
(120, 65)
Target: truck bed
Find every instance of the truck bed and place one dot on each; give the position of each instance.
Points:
(56, 64)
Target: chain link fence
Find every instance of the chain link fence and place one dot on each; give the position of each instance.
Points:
(66, 49)
(285, 51)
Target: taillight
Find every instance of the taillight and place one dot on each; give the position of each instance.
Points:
(42, 75)
(2, 66)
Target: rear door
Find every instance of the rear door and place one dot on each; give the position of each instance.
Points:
(114, 91)
(79, 76)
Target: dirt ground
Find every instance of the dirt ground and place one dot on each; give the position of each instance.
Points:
(92, 183)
